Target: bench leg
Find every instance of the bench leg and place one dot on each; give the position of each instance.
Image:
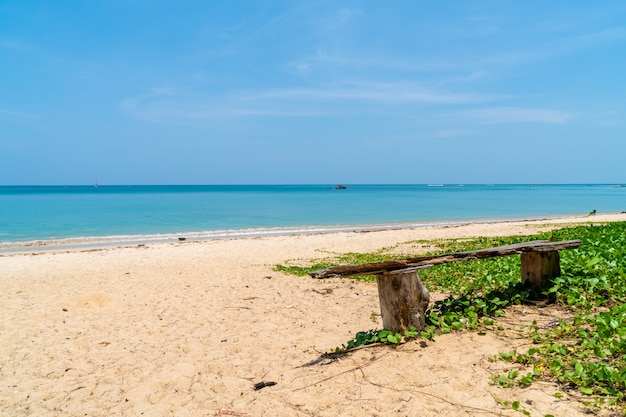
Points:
(539, 267)
(403, 300)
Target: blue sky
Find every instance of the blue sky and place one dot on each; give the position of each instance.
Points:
(275, 92)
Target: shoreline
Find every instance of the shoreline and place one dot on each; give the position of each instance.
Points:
(96, 242)
(104, 242)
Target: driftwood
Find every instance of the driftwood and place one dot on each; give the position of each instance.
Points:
(403, 297)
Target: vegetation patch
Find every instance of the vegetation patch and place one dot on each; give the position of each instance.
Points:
(585, 353)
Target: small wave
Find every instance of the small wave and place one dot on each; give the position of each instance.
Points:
(117, 240)
(82, 243)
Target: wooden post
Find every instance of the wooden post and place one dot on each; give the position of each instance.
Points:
(403, 299)
(538, 267)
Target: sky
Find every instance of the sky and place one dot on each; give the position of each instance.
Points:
(312, 92)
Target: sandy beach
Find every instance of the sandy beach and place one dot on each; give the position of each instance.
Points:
(187, 329)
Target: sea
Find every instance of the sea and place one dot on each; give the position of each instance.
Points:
(144, 212)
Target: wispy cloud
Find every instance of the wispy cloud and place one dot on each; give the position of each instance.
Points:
(499, 115)
(450, 133)
(325, 56)
(161, 104)
(607, 119)
(9, 44)
(505, 50)
(171, 106)
(338, 20)
(543, 49)
(18, 114)
(615, 34)
(373, 92)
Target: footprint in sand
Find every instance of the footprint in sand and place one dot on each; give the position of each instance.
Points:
(93, 301)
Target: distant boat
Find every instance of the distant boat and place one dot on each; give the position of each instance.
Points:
(340, 187)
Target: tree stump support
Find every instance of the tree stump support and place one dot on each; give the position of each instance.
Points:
(403, 299)
(538, 268)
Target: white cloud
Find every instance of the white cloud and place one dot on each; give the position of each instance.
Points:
(169, 106)
(451, 133)
(163, 104)
(604, 36)
(18, 114)
(499, 115)
(373, 92)
(340, 19)
(301, 68)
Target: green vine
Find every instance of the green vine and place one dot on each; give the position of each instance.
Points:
(585, 353)
(377, 336)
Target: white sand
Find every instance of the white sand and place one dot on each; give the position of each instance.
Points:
(186, 329)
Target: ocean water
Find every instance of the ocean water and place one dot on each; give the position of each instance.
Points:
(59, 212)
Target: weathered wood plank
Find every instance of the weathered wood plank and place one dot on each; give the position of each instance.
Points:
(424, 261)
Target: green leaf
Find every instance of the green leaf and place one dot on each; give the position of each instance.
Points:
(579, 368)
(593, 262)
(526, 379)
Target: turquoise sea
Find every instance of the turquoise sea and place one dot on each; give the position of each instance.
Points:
(29, 213)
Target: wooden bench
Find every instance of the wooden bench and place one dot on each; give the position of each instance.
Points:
(404, 298)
